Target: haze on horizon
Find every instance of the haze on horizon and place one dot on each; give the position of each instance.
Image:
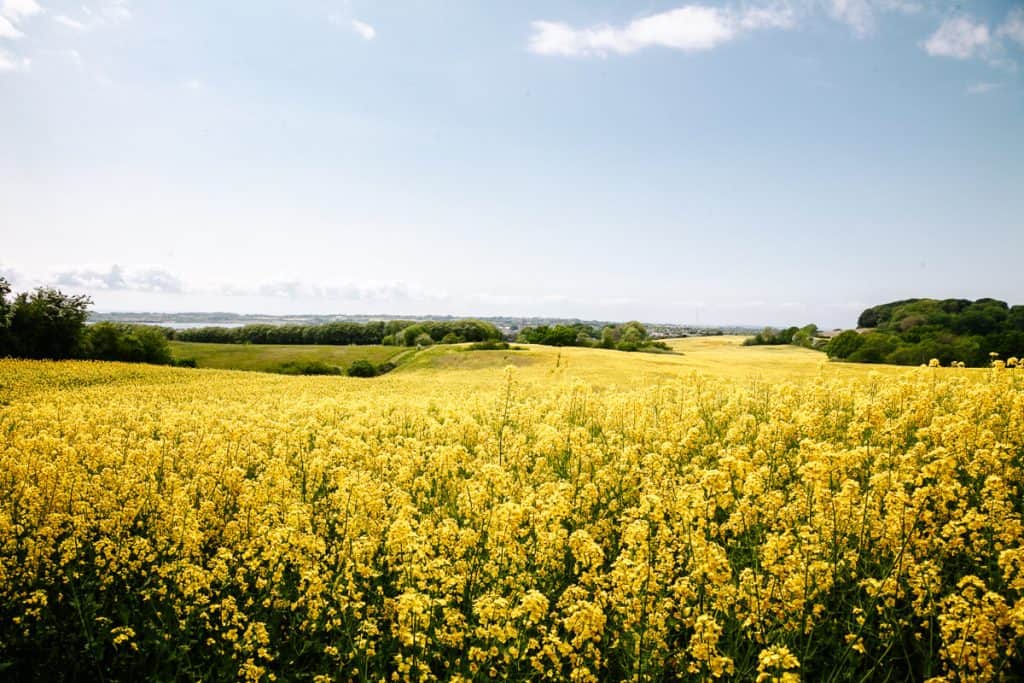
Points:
(764, 162)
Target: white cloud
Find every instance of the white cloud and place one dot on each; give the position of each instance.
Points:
(365, 31)
(116, 278)
(65, 20)
(982, 88)
(857, 14)
(388, 291)
(10, 62)
(345, 21)
(8, 29)
(1013, 27)
(102, 15)
(111, 12)
(16, 10)
(959, 38)
(10, 274)
(903, 6)
(688, 28)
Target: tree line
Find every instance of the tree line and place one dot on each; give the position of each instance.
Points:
(914, 331)
(805, 336)
(389, 333)
(631, 336)
(46, 323)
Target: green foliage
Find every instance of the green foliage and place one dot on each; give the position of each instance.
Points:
(631, 336)
(913, 331)
(6, 310)
(554, 335)
(362, 368)
(844, 344)
(798, 336)
(400, 332)
(45, 323)
(129, 343)
(308, 367)
(386, 367)
(488, 346)
(268, 357)
(875, 347)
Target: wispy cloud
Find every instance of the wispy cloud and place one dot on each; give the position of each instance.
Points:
(10, 62)
(688, 28)
(346, 21)
(964, 37)
(99, 15)
(366, 31)
(116, 278)
(16, 10)
(902, 6)
(65, 20)
(382, 291)
(8, 29)
(1013, 27)
(159, 280)
(982, 88)
(958, 38)
(10, 274)
(13, 13)
(857, 14)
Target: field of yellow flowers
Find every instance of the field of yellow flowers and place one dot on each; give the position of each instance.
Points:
(515, 524)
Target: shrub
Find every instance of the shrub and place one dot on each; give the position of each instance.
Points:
(488, 346)
(128, 343)
(308, 367)
(362, 368)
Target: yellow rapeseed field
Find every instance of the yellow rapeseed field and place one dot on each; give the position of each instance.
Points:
(730, 513)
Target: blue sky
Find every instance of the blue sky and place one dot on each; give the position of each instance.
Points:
(745, 162)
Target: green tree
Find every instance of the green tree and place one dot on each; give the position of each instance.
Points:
(362, 368)
(844, 344)
(609, 337)
(49, 324)
(6, 345)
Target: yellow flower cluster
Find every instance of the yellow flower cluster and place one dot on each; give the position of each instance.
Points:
(159, 523)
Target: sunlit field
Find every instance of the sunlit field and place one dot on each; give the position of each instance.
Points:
(269, 357)
(724, 512)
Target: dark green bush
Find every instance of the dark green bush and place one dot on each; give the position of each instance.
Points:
(362, 368)
(307, 367)
(488, 346)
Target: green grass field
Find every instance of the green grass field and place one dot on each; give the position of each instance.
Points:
(723, 357)
(268, 357)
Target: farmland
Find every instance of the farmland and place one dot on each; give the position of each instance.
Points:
(724, 512)
(269, 357)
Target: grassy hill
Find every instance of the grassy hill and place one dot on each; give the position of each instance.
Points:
(268, 357)
(723, 357)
